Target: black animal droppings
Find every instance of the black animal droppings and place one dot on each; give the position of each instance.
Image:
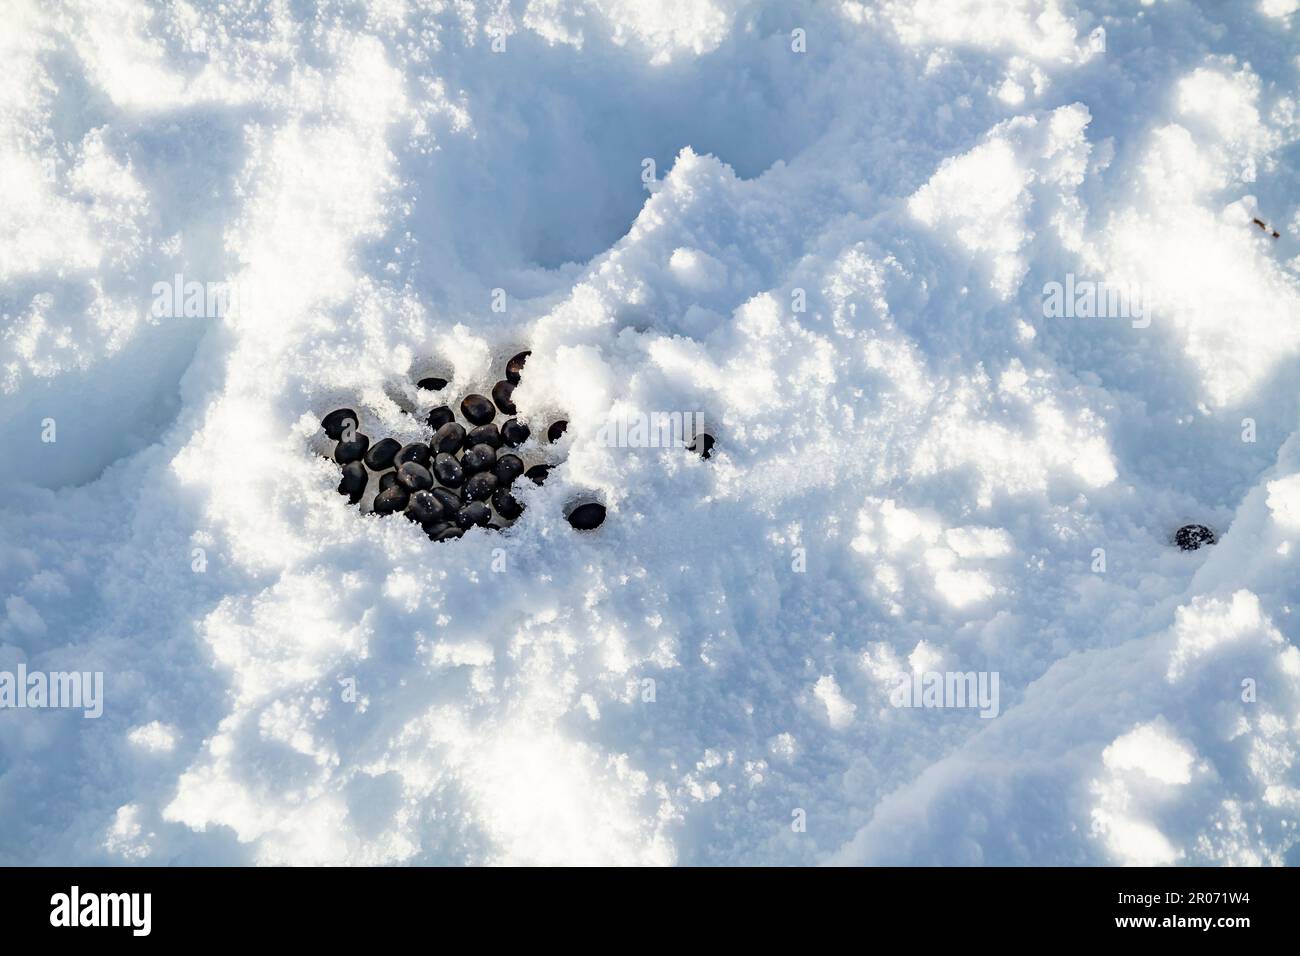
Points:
(703, 443)
(480, 486)
(474, 513)
(557, 430)
(514, 432)
(588, 516)
(424, 508)
(432, 384)
(537, 474)
(336, 421)
(387, 480)
(450, 534)
(450, 500)
(477, 409)
(442, 415)
(506, 504)
(484, 435)
(354, 450)
(501, 393)
(1191, 537)
(414, 477)
(393, 500)
(437, 528)
(381, 454)
(479, 458)
(507, 469)
(449, 438)
(416, 451)
(448, 470)
(354, 481)
(516, 366)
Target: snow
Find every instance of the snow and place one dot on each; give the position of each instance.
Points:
(839, 257)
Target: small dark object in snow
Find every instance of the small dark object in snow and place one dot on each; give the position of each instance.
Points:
(432, 384)
(480, 486)
(449, 438)
(393, 500)
(474, 513)
(557, 430)
(414, 477)
(336, 421)
(484, 435)
(1190, 537)
(354, 481)
(442, 415)
(478, 409)
(516, 366)
(416, 451)
(588, 516)
(437, 528)
(501, 393)
(514, 432)
(506, 505)
(448, 470)
(450, 534)
(387, 480)
(354, 450)
(424, 508)
(537, 474)
(507, 469)
(450, 500)
(381, 454)
(703, 444)
(479, 458)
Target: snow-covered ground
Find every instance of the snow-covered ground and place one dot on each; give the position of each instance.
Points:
(827, 226)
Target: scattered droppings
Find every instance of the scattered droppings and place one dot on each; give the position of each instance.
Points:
(478, 409)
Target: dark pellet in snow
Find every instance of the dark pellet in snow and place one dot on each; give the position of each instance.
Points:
(440, 416)
(484, 435)
(381, 454)
(537, 474)
(354, 481)
(514, 432)
(474, 513)
(557, 430)
(391, 501)
(515, 367)
(478, 409)
(425, 508)
(414, 477)
(449, 438)
(480, 486)
(387, 480)
(336, 421)
(703, 444)
(432, 384)
(437, 528)
(507, 469)
(450, 500)
(501, 393)
(354, 450)
(451, 534)
(479, 458)
(506, 505)
(1191, 537)
(416, 451)
(588, 516)
(448, 470)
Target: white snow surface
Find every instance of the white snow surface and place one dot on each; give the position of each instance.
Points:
(912, 474)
